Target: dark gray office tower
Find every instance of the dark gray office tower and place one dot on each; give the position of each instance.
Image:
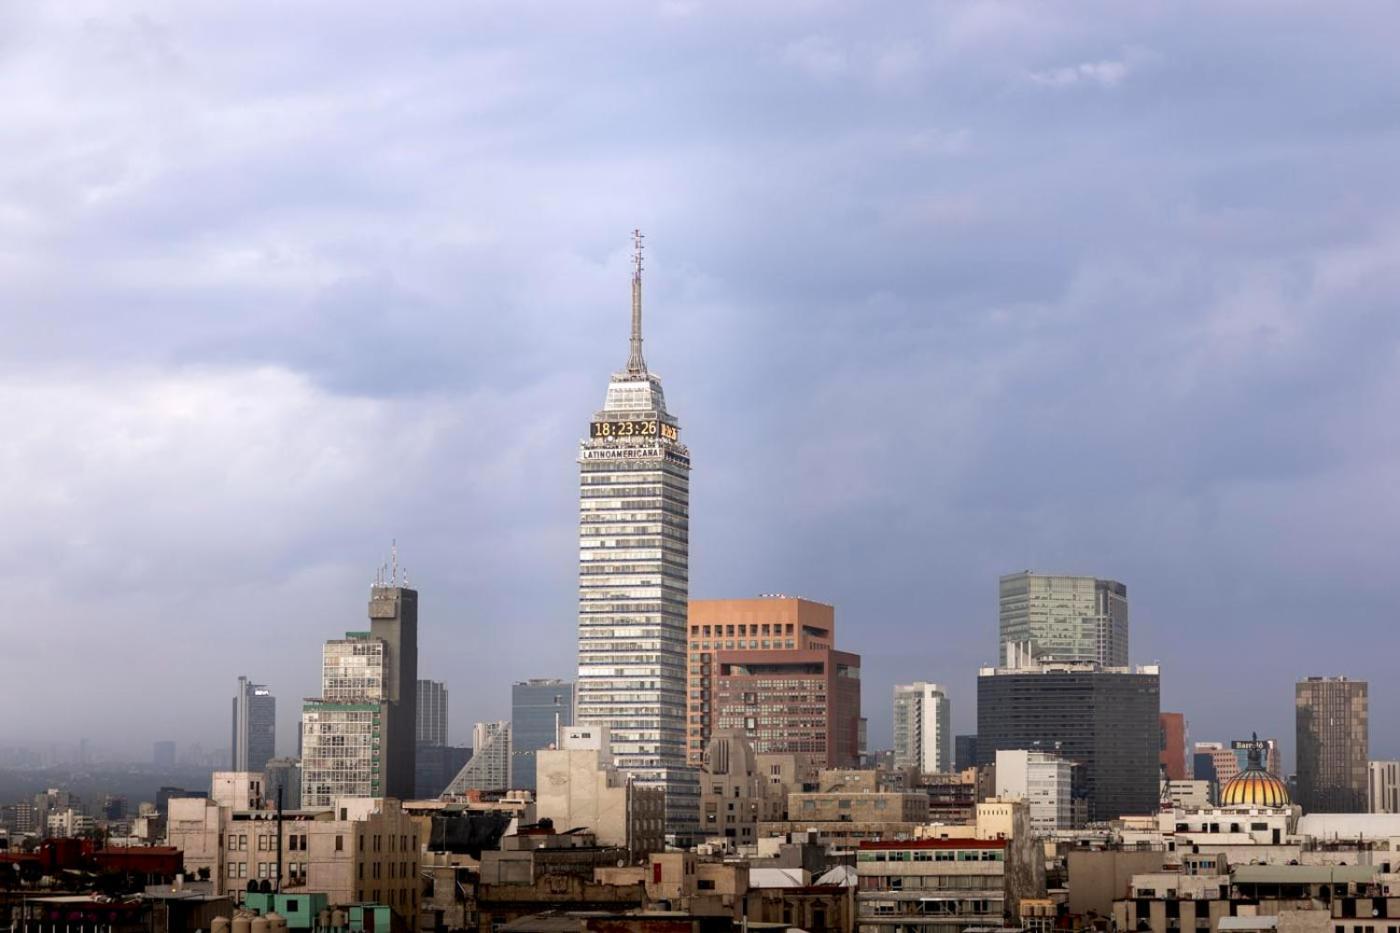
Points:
(964, 752)
(537, 709)
(432, 713)
(393, 618)
(254, 726)
(1104, 720)
(284, 775)
(1333, 745)
(437, 766)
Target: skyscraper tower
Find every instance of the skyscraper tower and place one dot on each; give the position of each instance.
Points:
(634, 534)
(254, 726)
(1064, 617)
(1331, 715)
(432, 712)
(358, 736)
(923, 732)
(393, 618)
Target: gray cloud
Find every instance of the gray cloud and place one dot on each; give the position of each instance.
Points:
(937, 295)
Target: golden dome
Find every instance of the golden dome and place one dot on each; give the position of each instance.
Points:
(1254, 787)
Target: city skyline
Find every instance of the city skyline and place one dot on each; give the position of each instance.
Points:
(872, 301)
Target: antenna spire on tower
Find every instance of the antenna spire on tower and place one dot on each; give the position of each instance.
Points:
(635, 362)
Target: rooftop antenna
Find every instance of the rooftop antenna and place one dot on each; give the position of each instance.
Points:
(635, 363)
(394, 556)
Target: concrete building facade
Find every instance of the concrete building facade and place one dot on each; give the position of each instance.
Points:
(769, 668)
(359, 849)
(946, 885)
(634, 559)
(393, 619)
(1383, 787)
(922, 728)
(580, 788)
(1333, 732)
(1042, 780)
(1067, 618)
(735, 795)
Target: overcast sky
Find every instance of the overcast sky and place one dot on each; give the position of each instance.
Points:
(938, 292)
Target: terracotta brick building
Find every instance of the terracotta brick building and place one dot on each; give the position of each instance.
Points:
(769, 667)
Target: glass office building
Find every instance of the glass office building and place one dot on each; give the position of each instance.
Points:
(537, 709)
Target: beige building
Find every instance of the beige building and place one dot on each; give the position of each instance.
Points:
(1207, 892)
(579, 788)
(241, 790)
(734, 796)
(949, 885)
(850, 806)
(856, 796)
(361, 850)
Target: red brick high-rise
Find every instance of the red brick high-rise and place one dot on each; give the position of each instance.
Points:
(1173, 757)
(769, 667)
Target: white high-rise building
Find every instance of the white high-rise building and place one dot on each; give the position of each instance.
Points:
(1383, 786)
(342, 731)
(922, 728)
(634, 536)
(1043, 781)
(489, 767)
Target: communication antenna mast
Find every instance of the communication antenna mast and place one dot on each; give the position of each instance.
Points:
(635, 362)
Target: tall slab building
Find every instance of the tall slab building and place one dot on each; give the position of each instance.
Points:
(1333, 731)
(922, 728)
(358, 736)
(634, 538)
(393, 618)
(254, 727)
(432, 712)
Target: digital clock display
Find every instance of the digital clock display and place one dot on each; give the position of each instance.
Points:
(642, 429)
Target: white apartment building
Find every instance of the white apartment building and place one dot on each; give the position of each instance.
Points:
(343, 751)
(923, 728)
(1043, 781)
(1383, 786)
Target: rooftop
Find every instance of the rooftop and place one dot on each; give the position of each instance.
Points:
(1302, 874)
